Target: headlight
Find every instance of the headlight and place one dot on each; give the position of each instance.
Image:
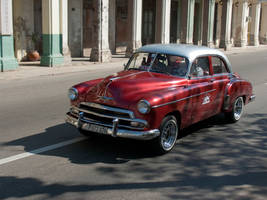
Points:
(143, 106)
(73, 94)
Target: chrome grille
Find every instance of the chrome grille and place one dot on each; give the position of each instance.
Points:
(97, 113)
(106, 110)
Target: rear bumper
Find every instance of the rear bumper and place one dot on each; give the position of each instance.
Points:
(252, 98)
(113, 130)
(227, 101)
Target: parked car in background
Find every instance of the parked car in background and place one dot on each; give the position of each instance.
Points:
(163, 89)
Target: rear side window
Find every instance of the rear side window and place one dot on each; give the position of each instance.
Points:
(218, 65)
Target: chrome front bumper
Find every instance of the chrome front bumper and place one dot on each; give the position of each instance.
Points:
(114, 130)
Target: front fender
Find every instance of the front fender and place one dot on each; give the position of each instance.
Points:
(83, 88)
(164, 102)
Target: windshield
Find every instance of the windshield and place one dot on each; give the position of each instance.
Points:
(159, 63)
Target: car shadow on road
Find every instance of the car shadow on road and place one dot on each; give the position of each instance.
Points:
(103, 149)
(107, 149)
(212, 160)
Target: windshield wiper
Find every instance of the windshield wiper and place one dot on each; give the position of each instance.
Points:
(134, 69)
(159, 71)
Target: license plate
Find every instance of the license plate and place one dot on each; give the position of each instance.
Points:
(95, 128)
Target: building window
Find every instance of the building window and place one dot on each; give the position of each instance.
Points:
(122, 9)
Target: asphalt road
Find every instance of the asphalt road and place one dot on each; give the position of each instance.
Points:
(213, 159)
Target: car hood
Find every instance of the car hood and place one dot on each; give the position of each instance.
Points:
(126, 88)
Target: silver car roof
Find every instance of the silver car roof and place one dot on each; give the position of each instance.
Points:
(191, 52)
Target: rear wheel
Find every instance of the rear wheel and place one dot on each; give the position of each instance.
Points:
(237, 111)
(168, 135)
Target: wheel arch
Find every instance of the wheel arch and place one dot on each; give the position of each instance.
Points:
(177, 115)
(233, 90)
(244, 98)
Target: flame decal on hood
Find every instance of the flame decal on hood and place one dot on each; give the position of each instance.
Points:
(104, 97)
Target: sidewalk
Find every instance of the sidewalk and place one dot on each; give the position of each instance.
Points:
(247, 49)
(33, 69)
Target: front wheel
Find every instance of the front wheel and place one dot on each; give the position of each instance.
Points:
(168, 135)
(237, 111)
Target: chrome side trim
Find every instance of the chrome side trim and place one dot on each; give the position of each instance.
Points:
(165, 104)
(222, 74)
(130, 113)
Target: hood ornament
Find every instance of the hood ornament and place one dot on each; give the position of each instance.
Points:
(105, 98)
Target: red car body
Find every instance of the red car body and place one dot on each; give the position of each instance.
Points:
(189, 99)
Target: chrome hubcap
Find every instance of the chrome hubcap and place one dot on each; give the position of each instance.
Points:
(238, 108)
(169, 135)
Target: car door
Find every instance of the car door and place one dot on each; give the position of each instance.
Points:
(220, 77)
(202, 88)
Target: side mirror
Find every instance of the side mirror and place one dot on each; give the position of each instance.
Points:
(125, 66)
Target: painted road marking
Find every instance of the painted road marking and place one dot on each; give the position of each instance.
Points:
(40, 150)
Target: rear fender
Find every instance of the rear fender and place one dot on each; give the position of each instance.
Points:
(236, 88)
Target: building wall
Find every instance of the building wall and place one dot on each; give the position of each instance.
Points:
(174, 22)
(75, 27)
(240, 21)
(217, 31)
(158, 21)
(197, 34)
(38, 30)
(23, 25)
(112, 26)
(149, 22)
(122, 20)
(263, 28)
(88, 29)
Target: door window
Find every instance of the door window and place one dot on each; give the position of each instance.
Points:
(218, 66)
(200, 67)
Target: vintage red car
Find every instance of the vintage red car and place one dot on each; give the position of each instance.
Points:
(162, 89)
